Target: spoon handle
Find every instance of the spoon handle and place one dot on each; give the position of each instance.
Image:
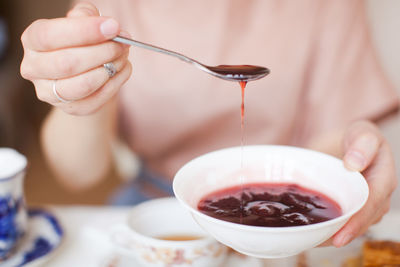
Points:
(129, 41)
(225, 73)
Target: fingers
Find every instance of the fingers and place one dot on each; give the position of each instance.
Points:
(69, 62)
(95, 101)
(49, 35)
(83, 85)
(382, 181)
(362, 142)
(360, 229)
(72, 51)
(384, 209)
(327, 243)
(358, 225)
(77, 87)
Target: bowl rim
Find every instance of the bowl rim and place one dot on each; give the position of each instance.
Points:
(363, 186)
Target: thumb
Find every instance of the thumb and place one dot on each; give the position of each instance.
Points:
(362, 142)
(83, 9)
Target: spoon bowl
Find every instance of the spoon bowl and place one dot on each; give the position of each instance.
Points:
(239, 72)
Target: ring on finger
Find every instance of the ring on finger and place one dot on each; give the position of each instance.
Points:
(110, 68)
(62, 100)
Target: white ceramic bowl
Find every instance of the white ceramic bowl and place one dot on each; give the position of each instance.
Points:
(271, 164)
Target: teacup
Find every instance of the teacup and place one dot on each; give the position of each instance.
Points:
(13, 216)
(270, 164)
(162, 233)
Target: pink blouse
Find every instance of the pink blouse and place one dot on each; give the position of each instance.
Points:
(324, 74)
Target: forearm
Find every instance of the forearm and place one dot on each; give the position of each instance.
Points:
(78, 148)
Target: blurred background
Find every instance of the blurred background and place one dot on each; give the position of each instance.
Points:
(21, 114)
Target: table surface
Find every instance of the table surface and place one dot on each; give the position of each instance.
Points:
(86, 241)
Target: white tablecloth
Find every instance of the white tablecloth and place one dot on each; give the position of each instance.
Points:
(87, 243)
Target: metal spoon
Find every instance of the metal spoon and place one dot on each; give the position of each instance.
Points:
(227, 72)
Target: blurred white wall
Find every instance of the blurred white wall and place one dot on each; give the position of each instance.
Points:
(385, 26)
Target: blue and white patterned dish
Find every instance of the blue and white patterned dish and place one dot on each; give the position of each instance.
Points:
(13, 217)
(12, 224)
(44, 234)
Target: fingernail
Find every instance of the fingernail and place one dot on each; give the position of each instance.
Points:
(368, 142)
(363, 148)
(109, 28)
(344, 240)
(354, 160)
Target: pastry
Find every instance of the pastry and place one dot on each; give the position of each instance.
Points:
(381, 253)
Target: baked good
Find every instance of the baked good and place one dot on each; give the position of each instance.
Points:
(381, 253)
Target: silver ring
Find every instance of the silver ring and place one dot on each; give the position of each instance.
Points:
(57, 95)
(110, 68)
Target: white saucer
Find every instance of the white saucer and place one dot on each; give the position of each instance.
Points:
(43, 236)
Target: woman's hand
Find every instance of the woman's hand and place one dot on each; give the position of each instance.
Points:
(367, 151)
(69, 53)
